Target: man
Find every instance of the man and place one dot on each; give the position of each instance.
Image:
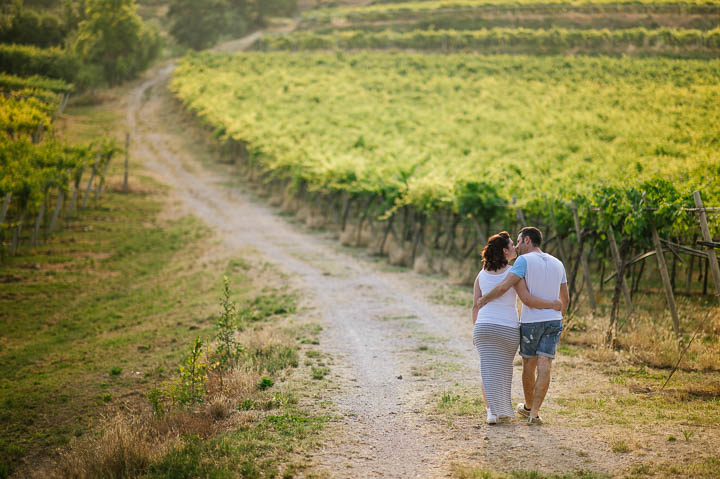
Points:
(539, 328)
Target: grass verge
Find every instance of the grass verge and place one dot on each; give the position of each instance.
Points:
(104, 310)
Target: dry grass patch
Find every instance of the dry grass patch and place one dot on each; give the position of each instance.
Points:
(125, 448)
(648, 339)
(465, 471)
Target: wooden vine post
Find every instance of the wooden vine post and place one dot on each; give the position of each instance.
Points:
(712, 257)
(98, 190)
(89, 185)
(38, 222)
(619, 267)
(56, 212)
(5, 206)
(667, 284)
(16, 233)
(583, 257)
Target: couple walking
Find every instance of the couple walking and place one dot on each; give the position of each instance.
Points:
(539, 280)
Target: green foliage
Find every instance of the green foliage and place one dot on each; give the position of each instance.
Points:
(267, 305)
(630, 210)
(272, 358)
(265, 383)
(30, 27)
(319, 372)
(189, 388)
(263, 449)
(228, 350)
(113, 38)
(468, 133)
(393, 10)
(532, 41)
(30, 171)
(201, 23)
(158, 400)
(27, 60)
(478, 199)
(9, 83)
(73, 12)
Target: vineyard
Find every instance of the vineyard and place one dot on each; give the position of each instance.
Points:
(423, 155)
(41, 177)
(464, 12)
(357, 135)
(666, 42)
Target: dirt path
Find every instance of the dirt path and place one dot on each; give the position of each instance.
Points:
(397, 349)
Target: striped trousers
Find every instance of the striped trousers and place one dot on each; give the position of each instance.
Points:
(497, 345)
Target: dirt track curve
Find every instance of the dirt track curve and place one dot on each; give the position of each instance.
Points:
(375, 321)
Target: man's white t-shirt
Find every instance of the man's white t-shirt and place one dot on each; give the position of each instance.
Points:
(543, 274)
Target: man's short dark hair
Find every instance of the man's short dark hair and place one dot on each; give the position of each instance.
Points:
(533, 233)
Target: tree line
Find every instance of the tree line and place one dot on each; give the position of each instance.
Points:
(106, 42)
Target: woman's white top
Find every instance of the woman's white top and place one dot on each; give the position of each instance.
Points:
(502, 311)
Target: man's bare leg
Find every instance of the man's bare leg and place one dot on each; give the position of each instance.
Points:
(528, 379)
(544, 365)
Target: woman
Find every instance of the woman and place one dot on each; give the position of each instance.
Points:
(496, 334)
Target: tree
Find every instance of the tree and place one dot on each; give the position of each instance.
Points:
(113, 37)
(200, 23)
(30, 27)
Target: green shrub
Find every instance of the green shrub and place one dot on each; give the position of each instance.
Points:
(30, 27)
(14, 82)
(114, 39)
(25, 60)
(265, 383)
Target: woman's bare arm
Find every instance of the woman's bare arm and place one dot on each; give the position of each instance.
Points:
(477, 294)
(533, 301)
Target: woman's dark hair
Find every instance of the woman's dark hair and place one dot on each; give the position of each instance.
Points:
(493, 255)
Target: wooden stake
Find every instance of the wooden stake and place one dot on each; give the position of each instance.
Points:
(561, 248)
(16, 234)
(38, 222)
(418, 238)
(667, 283)
(619, 267)
(388, 227)
(583, 257)
(705, 276)
(87, 190)
(363, 217)
(73, 200)
(5, 206)
(56, 213)
(98, 190)
(712, 257)
(690, 270)
(611, 335)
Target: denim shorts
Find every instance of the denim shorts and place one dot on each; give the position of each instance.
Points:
(540, 338)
